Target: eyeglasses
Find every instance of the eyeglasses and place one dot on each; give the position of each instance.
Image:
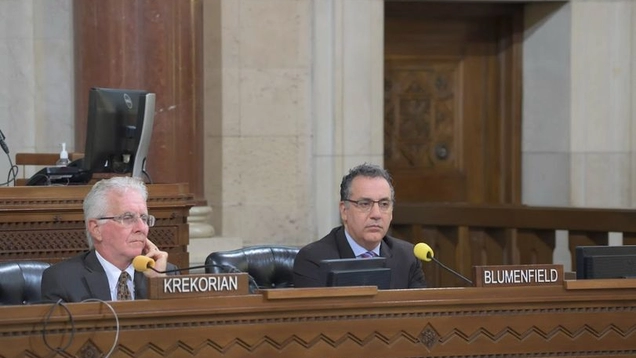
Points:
(129, 219)
(366, 205)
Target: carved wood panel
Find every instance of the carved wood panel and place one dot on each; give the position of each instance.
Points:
(461, 322)
(451, 105)
(420, 118)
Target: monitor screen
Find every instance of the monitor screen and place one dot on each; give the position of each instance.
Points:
(595, 262)
(118, 131)
(356, 272)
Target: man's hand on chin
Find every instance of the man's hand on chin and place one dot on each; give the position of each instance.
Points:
(160, 257)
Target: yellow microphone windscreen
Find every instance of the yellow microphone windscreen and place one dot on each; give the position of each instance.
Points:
(142, 263)
(423, 252)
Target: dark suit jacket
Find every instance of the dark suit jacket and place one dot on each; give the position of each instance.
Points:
(406, 269)
(83, 277)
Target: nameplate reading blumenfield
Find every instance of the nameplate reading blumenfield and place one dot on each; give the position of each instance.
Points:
(201, 285)
(518, 275)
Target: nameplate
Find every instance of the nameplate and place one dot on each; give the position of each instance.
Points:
(518, 275)
(199, 285)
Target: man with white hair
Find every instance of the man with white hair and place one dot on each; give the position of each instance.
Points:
(117, 224)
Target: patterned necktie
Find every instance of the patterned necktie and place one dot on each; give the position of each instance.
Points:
(123, 293)
(367, 254)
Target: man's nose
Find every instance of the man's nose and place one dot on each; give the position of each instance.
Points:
(375, 210)
(139, 225)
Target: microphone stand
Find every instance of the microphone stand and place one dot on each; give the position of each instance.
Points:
(451, 270)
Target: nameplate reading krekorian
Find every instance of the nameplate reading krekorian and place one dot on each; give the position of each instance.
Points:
(518, 275)
(199, 285)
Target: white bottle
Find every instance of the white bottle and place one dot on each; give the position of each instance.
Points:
(63, 161)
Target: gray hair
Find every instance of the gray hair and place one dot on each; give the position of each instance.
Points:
(97, 201)
(365, 170)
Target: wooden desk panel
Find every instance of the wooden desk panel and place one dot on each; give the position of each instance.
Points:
(454, 322)
(47, 223)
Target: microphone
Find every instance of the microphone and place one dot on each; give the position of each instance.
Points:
(424, 252)
(2, 143)
(143, 263)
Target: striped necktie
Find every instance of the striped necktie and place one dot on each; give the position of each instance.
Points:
(367, 255)
(123, 293)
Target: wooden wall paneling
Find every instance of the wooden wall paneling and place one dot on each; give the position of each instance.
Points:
(629, 238)
(489, 225)
(450, 254)
(511, 56)
(445, 241)
(415, 234)
(405, 232)
(487, 249)
(443, 250)
(429, 235)
(151, 45)
(536, 246)
(507, 238)
(463, 253)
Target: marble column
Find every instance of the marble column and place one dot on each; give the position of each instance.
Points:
(294, 95)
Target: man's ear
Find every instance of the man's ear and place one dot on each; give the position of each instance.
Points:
(95, 230)
(343, 213)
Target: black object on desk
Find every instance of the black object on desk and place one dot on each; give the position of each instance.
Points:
(72, 174)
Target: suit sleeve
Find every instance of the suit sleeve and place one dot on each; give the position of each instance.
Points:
(52, 289)
(173, 267)
(306, 270)
(416, 276)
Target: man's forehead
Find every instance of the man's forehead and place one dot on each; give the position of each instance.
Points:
(371, 185)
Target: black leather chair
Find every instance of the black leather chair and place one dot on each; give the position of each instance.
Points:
(270, 266)
(20, 282)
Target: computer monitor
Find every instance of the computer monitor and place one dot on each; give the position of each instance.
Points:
(356, 272)
(595, 262)
(118, 131)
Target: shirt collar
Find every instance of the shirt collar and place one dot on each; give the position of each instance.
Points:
(357, 249)
(112, 272)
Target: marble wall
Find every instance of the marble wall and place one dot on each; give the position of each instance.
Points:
(36, 77)
(258, 133)
(293, 99)
(602, 122)
(578, 136)
(546, 114)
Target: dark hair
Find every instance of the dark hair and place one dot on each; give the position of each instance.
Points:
(365, 170)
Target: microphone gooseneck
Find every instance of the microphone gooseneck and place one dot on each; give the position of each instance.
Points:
(425, 253)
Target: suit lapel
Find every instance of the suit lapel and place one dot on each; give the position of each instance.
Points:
(344, 250)
(385, 250)
(95, 278)
(141, 286)
(97, 282)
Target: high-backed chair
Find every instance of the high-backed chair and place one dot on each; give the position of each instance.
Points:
(270, 266)
(20, 282)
